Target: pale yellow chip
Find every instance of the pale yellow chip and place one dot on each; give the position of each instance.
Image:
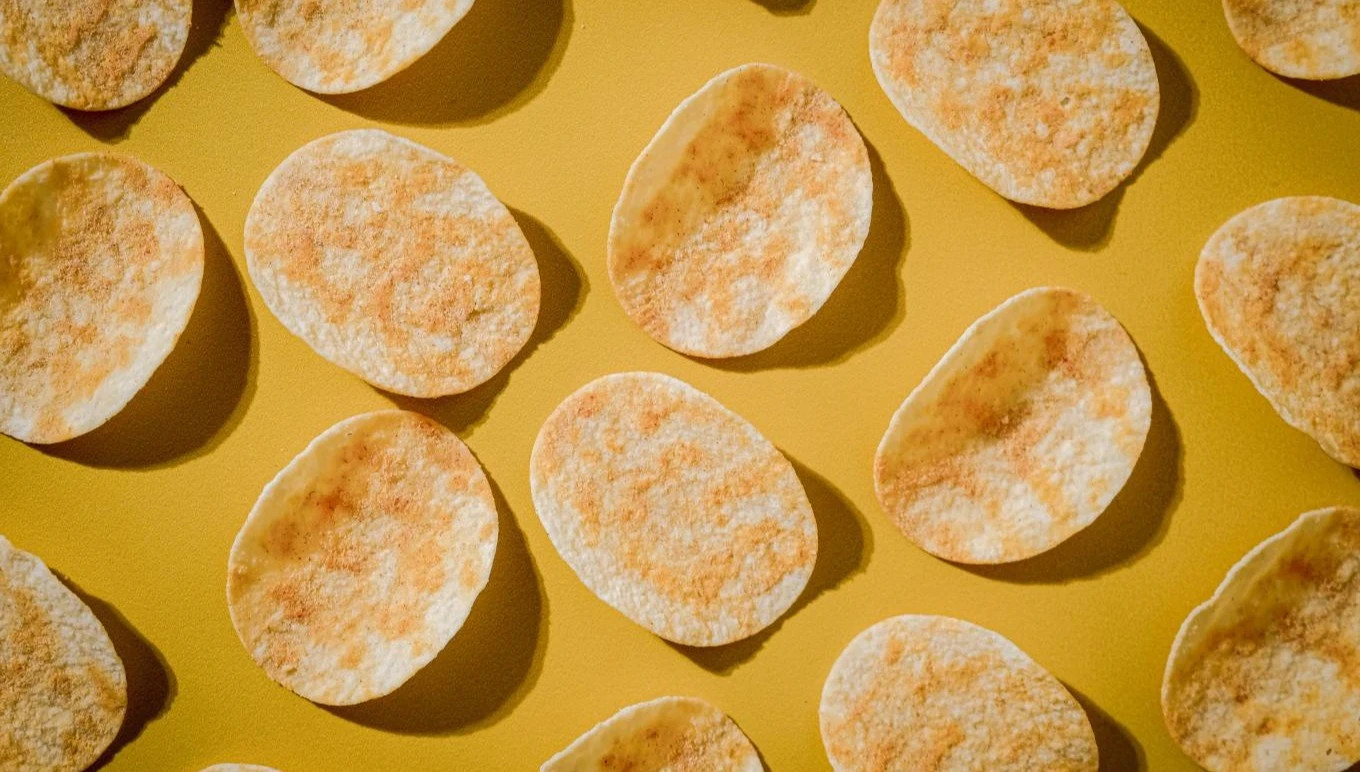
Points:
(669, 734)
(742, 214)
(362, 558)
(92, 54)
(1021, 435)
(1279, 288)
(63, 691)
(101, 259)
(926, 693)
(338, 46)
(1265, 675)
(394, 262)
(238, 768)
(672, 508)
(1050, 103)
(1312, 39)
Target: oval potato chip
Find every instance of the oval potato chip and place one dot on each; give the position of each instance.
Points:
(1047, 103)
(1279, 288)
(933, 693)
(1312, 39)
(362, 558)
(1265, 675)
(63, 691)
(101, 259)
(339, 47)
(92, 54)
(394, 262)
(669, 734)
(672, 508)
(238, 768)
(1021, 435)
(741, 215)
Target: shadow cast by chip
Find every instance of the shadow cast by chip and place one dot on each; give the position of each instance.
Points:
(844, 543)
(863, 309)
(150, 682)
(1344, 92)
(1119, 750)
(493, 61)
(200, 392)
(1133, 524)
(491, 663)
(564, 288)
(1088, 228)
(206, 26)
(787, 7)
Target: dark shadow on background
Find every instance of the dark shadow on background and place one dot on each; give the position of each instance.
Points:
(564, 287)
(491, 663)
(150, 682)
(1119, 751)
(1088, 228)
(200, 392)
(863, 309)
(1342, 91)
(787, 7)
(844, 543)
(205, 30)
(1133, 524)
(493, 61)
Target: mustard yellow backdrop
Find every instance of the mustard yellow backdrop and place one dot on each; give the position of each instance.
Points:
(550, 101)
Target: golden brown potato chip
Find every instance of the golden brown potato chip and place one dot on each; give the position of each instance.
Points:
(933, 693)
(741, 215)
(669, 734)
(1021, 435)
(62, 687)
(101, 258)
(1047, 103)
(92, 54)
(363, 557)
(394, 262)
(1279, 288)
(1265, 675)
(335, 47)
(672, 508)
(1314, 39)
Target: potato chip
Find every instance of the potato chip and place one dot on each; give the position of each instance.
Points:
(741, 215)
(933, 693)
(92, 54)
(1021, 435)
(62, 687)
(669, 734)
(101, 258)
(1047, 103)
(238, 768)
(1265, 675)
(672, 508)
(363, 557)
(338, 47)
(394, 262)
(1279, 288)
(1313, 39)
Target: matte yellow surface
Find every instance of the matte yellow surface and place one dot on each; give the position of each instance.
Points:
(550, 101)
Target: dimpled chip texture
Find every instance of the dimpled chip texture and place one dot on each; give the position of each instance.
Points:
(673, 509)
(101, 259)
(1312, 39)
(1279, 288)
(669, 734)
(742, 214)
(338, 46)
(927, 693)
(363, 557)
(394, 262)
(1050, 103)
(1021, 435)
(62, 687)
(92, 54)
(1265, 675)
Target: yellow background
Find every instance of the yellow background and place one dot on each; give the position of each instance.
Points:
(550, 101)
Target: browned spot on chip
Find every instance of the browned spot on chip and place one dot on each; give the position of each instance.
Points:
(1314, 39)
(677, 734)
